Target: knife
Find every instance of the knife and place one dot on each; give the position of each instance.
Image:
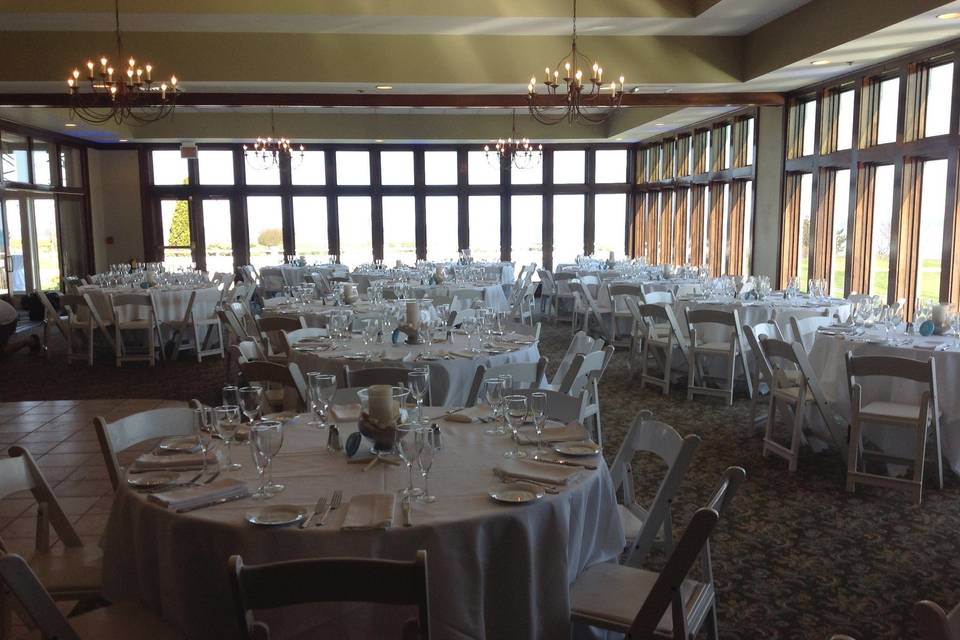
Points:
(240, 496)
(568, 463)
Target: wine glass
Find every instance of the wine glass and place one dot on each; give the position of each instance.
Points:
(515, 411)
(228, 419)
(428, 452)
(231, 395)
(267, 438)
(644, 416)
(323, 386)
(418, 381)
(490, 396)
(250, 400)
(200, 428)
(408, 448)
(538, 407)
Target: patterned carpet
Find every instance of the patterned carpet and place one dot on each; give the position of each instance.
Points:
(796, 556)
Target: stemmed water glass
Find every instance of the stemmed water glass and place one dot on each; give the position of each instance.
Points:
(251, 399)
(322, 387)
(515, 411)
(201, 426)
(231, 395)
(227, 420)
(267, 439)
(490, 396)
(418, 381)
(538, 409)
(427, 453)
(408, 448)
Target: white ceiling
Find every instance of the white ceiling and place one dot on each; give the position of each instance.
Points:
(728, 18)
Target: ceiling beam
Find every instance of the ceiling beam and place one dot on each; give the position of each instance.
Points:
(372, 100)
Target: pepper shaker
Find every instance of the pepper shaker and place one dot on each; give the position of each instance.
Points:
(333, 439)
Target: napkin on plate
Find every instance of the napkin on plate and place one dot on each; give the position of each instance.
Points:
(370, 512)
(345, 412)
(570, 432)
(539, 471)
(176, 462)
(928, 345)
(201, 495)
(183, 444)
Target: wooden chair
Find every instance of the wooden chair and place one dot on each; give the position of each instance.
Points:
(143, 320)
(295, 582)
(523, 373)
(288, 376)
(661, 339)
(649, 527)
(793, 387)
(71, 573)
(126, 620)
(671, 604)
(731, 351)
(918, 417)
(935, 623)
(124, 433)
(804, 330)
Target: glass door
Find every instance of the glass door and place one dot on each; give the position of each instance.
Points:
(46, 244)
(14, 263)
(177, 234)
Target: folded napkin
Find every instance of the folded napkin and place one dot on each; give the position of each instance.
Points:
(201, 495)
(928, 345)
(179, 461)
(345, 412)
(181, 444)
(463, 354)
(570, 432)
(370, 512)
(521, 469)
(458, 417)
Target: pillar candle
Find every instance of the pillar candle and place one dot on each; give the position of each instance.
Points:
(413, 313)
(380, 399)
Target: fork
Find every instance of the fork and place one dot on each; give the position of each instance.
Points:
(321, 505)
(334, 504)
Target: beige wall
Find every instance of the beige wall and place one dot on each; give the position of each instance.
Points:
(115, 204)
(766, 229)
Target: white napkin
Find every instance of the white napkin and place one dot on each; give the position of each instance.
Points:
(345, 412)
(370, 512)
(539, 471)
(201, 495)
(570, 432)
(180, 461)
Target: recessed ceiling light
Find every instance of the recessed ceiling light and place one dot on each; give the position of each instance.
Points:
(122, 140)
(70, 124)
(378, 140)
(384, 87)
(659, 124)
(818, 63)
(953, 15)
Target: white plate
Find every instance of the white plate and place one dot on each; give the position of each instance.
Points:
(153, 479)
(516, 493)
(276, 515)
(577, 448)
(181, 444)
(355, 356)
(428, 358)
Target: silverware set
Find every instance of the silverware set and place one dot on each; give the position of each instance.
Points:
(323, 509)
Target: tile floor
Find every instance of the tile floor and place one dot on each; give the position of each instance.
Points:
(60, 436)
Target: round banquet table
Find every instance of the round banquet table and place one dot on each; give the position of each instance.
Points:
(493, 295)
(828, 359)
(496, 571)
(753, 312)
(292, 274)
(459, 365)
(170, 301)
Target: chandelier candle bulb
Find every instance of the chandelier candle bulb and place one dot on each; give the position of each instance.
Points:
(149, 69)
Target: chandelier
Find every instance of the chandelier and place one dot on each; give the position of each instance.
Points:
(588, 101)
(265, 153)
(134, 95)
(515, 150)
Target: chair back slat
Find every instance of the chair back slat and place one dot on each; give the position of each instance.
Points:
(711, 316)
(19, 472)
(122, 434)
(295, 582)
(892, 367)
(624, 289)
(657, 297)
(35, 601)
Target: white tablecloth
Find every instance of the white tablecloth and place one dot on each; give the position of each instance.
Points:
(493, 294)
(753, 312)
(828, 361)
(170, 302)
(460, 370)
(496, 571)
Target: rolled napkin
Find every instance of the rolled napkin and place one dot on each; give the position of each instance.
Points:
(458, 417)
(570, 432)
(177, 462)
(201, 495)
(345, 412)
(370, 512)
(538, 471)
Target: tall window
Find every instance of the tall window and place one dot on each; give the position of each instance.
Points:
(482, 169)
(939, 97)
(805, 230)
(610, 211)
(485, 227)
(169, 167)
(442, 227)
(177, 238)
(265, 230)
(258, 173)
(747, 265)
(838, 238)
(215, 166)
(310, 227)
(888, 111)
(353, 167)
(399, 229)
(396, 167)
(845, 120)
(309, 169)
(567, 228)
(440, 167)
(809, 127)
(569, 167)
(47, 243)
(218, 241)
(356, 229)
(880, 231)
(611, 166)
(526, 229)
(932, 208)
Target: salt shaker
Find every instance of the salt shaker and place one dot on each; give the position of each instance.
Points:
(435, 436)
(333, 439)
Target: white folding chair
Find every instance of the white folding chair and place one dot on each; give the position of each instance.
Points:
(657, 297)
(142, 318)
(672, 603)
(586, 308)
(760, 370)
(288, 376)
(581, 343)
(935, 623)
(585, 374)
(529, 374)
(804, 330)
(661, 339)
(618, 294)
(730, 351)
(561, 407)
(124, 433)
(649, 527)
(919, 417)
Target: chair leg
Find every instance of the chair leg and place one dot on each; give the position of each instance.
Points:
(732, 379)
(118, 348)
(795, 440)
(853, 452)
(667, 370)
(936, 435)
(771, 420)
(691, 374)
(151, 338)
(713, 630)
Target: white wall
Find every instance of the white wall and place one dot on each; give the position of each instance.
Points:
(115, 204)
